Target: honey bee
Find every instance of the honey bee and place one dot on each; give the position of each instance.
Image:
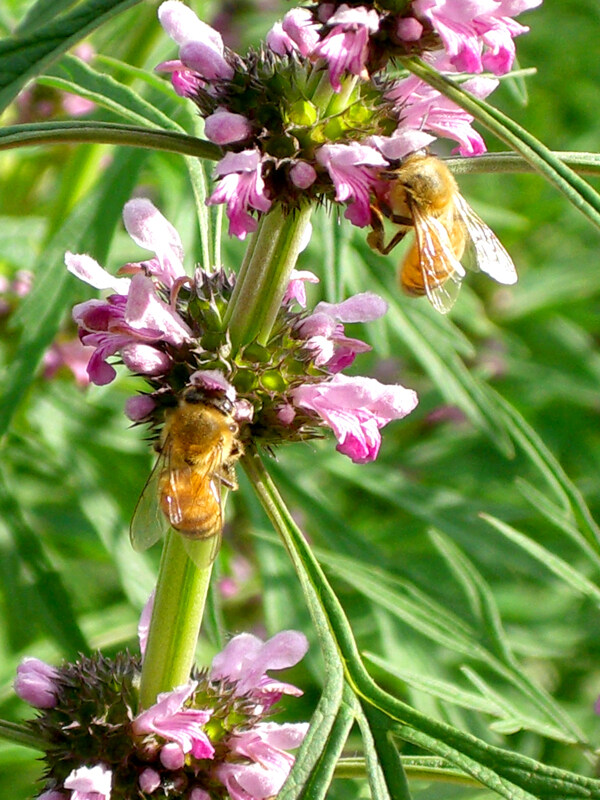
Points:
(198, 450)
(424, 195)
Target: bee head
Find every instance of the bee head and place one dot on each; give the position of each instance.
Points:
(196, 395)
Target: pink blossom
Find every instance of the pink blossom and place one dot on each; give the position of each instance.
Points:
(303, 174)
(265, 745)
(240, 186)
(346, 46)
(172, 756)
(325, 335)
(169, 719)
(213, 381)
(185, 81)
(87, 269)
(476, 34)
(353, 168)
(279, 41)
(423, 107)
(247, 658)
(299, 26)
(200, 46)
(139, 407)
(90, 783)
(296, 289)
(409, 29)
(52, 794)
(151, 230)
(36, 683)
(71, 354)
(224, 127)
(150, 317)
(356, 408)
(149, 780)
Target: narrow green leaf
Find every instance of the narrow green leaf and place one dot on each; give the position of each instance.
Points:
(387, 777)
(105, 133)
(581, 163)
(317, 785)
(554, 563)
(557, 516)
(566, 492)
(23, 57)
(72, 74)
(578, 191)
(477, 591)
(42, 12)
(55, 610)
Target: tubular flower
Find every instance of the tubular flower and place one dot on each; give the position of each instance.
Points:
(207, 739)
(356, 409)
(168, 329)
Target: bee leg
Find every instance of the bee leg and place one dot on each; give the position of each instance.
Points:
(376, 237)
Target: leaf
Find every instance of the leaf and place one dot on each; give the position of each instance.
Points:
(24, 56)
(387, 778)
(72, 74)
(42, 12)
(317, 785)
(53, 603)
(105, 133)
(554, 563)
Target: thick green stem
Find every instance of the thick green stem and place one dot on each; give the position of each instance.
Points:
(176, 618)
(265, 274)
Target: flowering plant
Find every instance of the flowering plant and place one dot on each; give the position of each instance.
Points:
(248, 319)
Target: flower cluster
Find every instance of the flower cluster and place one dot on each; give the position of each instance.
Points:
(209, 738)
(314, 115)
(168, 328)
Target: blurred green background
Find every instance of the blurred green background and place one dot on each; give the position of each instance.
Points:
(389, 533)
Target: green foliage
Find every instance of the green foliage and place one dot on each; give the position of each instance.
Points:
(451, 588)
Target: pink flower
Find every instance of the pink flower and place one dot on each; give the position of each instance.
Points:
(169, 719)
(151, 230)
(356, 408)
(299, 26)
(136, 322)
(423, 107)
(240, 186)
(353, 168)
(149, 780)
(36, 683)
(185, 81)
(325, 335)
(346, 47)
(172, 756)
(223, 127)
(303, 174)
(476, 34)
(90, 783)
(200, 46)
(139, 407)
(247, 658)
(71, 354)
(279, 42)
(296, 289)
(265, 745)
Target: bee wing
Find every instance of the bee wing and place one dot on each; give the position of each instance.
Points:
(148, 523)
(490, 255)
(442, 271)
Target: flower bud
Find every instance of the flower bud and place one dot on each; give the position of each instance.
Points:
(35, 683)
(149, 781)
(172, 756)
(224, 127)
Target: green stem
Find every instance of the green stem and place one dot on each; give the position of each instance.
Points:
(176, 618)
(265, 274)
